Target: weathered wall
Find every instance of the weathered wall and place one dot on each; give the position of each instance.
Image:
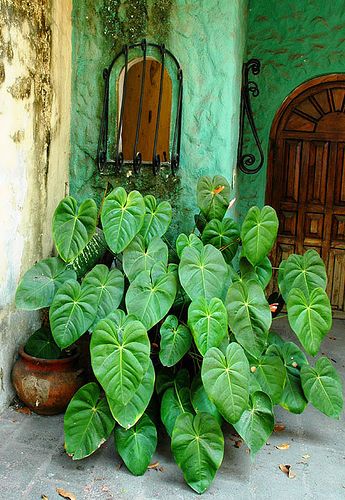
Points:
(34, 151)
(208, 40)
(295, 41)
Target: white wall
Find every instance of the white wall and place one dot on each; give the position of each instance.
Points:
(35, 79)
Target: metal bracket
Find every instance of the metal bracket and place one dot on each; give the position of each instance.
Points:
(246, 162)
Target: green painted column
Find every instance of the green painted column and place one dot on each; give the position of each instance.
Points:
(295, 41)
(208, 39)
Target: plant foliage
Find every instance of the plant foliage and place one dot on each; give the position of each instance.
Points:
(185, 334)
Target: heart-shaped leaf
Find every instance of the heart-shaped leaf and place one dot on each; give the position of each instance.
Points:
(127, 415)
(202, 273)
(208, 322)
(213, 196)
(157, 218)
(310, 317)
(42, 345)
(120, 350)
(72, 312)
(184, 241)
(166, 379)
(224, 235)
(149, 298)
(257, 422)
(175, 401)
(137, 445)
(226, 380)
(249, 315)
(293, 398)
(122, 218)
(262, 272)
(109, 287)
(271, 375)
(138, 257)
(197, 444)
(258, 233)
(73, 226)
(175, 341)
(39, 284)
(88, 422)
(201, 402)
(322, 386)
(305, 272)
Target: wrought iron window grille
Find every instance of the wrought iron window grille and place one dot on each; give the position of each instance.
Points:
(113, 162)
(247, 162)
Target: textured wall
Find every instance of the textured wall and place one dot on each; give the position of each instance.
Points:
(32, 177)
(295, 41)
(208, 39)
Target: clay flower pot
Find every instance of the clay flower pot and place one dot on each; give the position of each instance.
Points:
(46, 385)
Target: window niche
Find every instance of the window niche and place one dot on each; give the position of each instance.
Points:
(141, 120)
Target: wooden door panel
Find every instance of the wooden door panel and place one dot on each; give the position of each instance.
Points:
(307, 162)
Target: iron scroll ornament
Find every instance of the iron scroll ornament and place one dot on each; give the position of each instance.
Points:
(115, 162)
(246, 162)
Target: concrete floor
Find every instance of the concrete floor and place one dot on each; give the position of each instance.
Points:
(33, 462)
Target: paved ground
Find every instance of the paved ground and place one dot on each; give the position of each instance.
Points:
(33, 462)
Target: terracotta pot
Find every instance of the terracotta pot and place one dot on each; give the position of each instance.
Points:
(46, 385)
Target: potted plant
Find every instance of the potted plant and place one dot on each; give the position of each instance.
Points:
(186, 326)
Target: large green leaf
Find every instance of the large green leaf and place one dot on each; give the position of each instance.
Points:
(202, 273)
(226, 380)
(120, 351)
(42, 345)
(258, 233)
(137, 445)
(73, 226)
(310, 317)
(293, 398)
(249, 315)
(197, 444)
(149, 296)
(39, 284)
(257, 422)
(262, 272)
(208, 322)
(305, 272)
(184, 241)
(138, 256)
(157, 218)
(213, 196)
(200, 400)
(175, 341)
(166, 378)
(271, 375)
(224, 235)
(72, 312)
(91, 255)
(128, 414)
(88, 422)
(122, 218)
(175, 401)
(322, 386)
(109, 286)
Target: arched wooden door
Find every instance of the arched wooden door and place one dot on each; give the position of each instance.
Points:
(306, 177)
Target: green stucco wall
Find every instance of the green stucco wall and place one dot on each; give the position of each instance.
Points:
(295, 41)
(208, 39)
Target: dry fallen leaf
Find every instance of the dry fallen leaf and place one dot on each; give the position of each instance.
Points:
(153, 466)
(44, 497)
(287, 470)
(24, 409)
(238, 443)
(283, 446)
(279, 427)
(66, 494)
